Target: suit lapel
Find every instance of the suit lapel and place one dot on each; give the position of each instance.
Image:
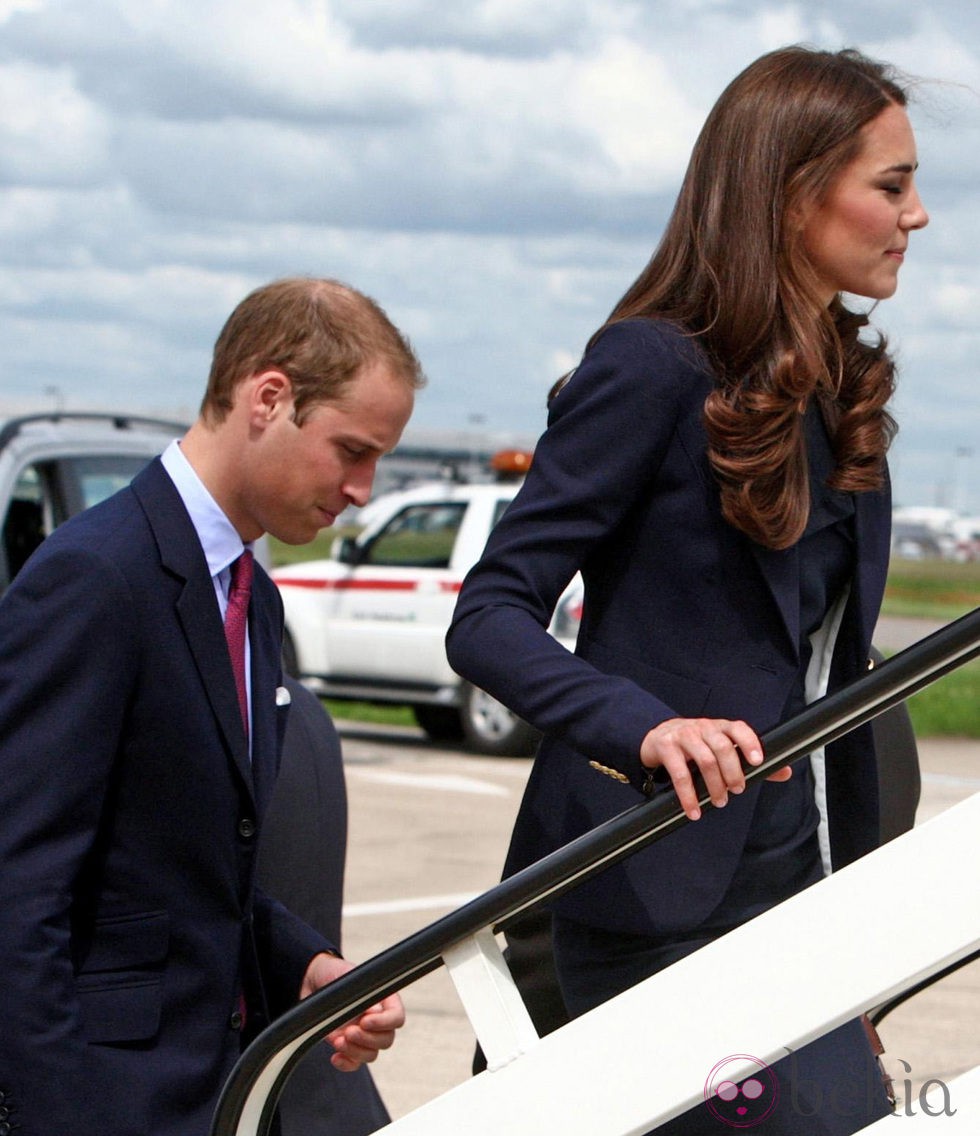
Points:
(265, 636)
(872, 523)
(197, 610)
(781, 571)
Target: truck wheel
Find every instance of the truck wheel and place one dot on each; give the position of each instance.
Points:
(441, 723)
(489, 727)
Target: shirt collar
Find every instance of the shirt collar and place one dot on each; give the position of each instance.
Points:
(218, 536)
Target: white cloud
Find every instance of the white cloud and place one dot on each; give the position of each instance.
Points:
(626, 98)
(495, 172)
(49, 133)
(9, 7)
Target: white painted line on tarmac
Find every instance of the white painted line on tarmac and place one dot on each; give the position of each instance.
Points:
(422, 903)
(441, 782)
(951, 781)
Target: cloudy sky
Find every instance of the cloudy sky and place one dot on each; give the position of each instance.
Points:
(493, 172)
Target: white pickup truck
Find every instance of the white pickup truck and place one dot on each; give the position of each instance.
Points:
(369, 622)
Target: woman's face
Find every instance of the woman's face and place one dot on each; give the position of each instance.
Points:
(856, 239)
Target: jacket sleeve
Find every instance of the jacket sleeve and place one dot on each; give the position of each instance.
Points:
(608, 432)
(285, 944)
(67, 652)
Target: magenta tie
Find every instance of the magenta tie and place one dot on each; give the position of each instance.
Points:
(236, 622)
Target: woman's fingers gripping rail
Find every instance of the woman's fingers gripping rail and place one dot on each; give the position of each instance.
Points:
(713, 745)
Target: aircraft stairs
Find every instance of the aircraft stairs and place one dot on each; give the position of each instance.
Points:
(648, 1054)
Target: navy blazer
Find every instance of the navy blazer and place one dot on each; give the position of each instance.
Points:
(684, 615)
(129, 924)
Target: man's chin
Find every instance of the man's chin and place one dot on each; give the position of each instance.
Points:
(296, 537)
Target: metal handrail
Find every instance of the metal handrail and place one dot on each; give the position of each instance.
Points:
(273, 1054)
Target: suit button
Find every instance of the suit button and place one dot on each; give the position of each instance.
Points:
(5, 1128)
(235, 1021)
(246, 828)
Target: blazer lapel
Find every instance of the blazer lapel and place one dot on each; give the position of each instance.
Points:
(197, 609)
(265, 636)
(781, 571)
(872, 524)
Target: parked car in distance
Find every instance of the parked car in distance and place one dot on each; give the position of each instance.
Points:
(369, 622)
(55, 465)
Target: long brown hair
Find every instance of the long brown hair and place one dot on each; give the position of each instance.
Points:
(731, 270)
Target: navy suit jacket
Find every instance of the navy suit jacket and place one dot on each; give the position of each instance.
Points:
(684, 615)
(129, 923)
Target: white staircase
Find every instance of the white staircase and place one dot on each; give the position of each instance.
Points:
(644, 1056)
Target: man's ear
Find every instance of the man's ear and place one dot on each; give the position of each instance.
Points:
(270, 395)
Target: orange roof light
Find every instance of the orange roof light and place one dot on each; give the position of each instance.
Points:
(509, 464)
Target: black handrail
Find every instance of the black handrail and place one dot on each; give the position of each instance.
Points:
(819, 724)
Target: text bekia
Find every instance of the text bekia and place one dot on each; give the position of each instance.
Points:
(743, 1099)
(930, 1093)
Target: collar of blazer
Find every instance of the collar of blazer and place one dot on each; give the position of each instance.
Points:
(182, 557)
(781, 570)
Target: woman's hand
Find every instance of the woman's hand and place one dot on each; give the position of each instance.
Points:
(712, 744)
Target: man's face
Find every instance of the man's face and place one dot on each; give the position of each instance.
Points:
(301, 478)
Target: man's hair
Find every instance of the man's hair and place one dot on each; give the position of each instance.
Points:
(319, 333)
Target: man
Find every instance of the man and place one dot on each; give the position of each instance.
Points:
(138, 743)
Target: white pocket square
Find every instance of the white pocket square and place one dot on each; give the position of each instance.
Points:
(283, 697)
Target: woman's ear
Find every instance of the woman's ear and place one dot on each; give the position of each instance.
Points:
(802, 209)
(797, 216)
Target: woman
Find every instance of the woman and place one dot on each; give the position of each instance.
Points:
(715, 469)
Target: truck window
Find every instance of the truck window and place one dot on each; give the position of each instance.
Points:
(420, 536)
(89, 480)
(49, 492)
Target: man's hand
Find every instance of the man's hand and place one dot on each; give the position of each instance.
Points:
(712, 745)
(358, 1042)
